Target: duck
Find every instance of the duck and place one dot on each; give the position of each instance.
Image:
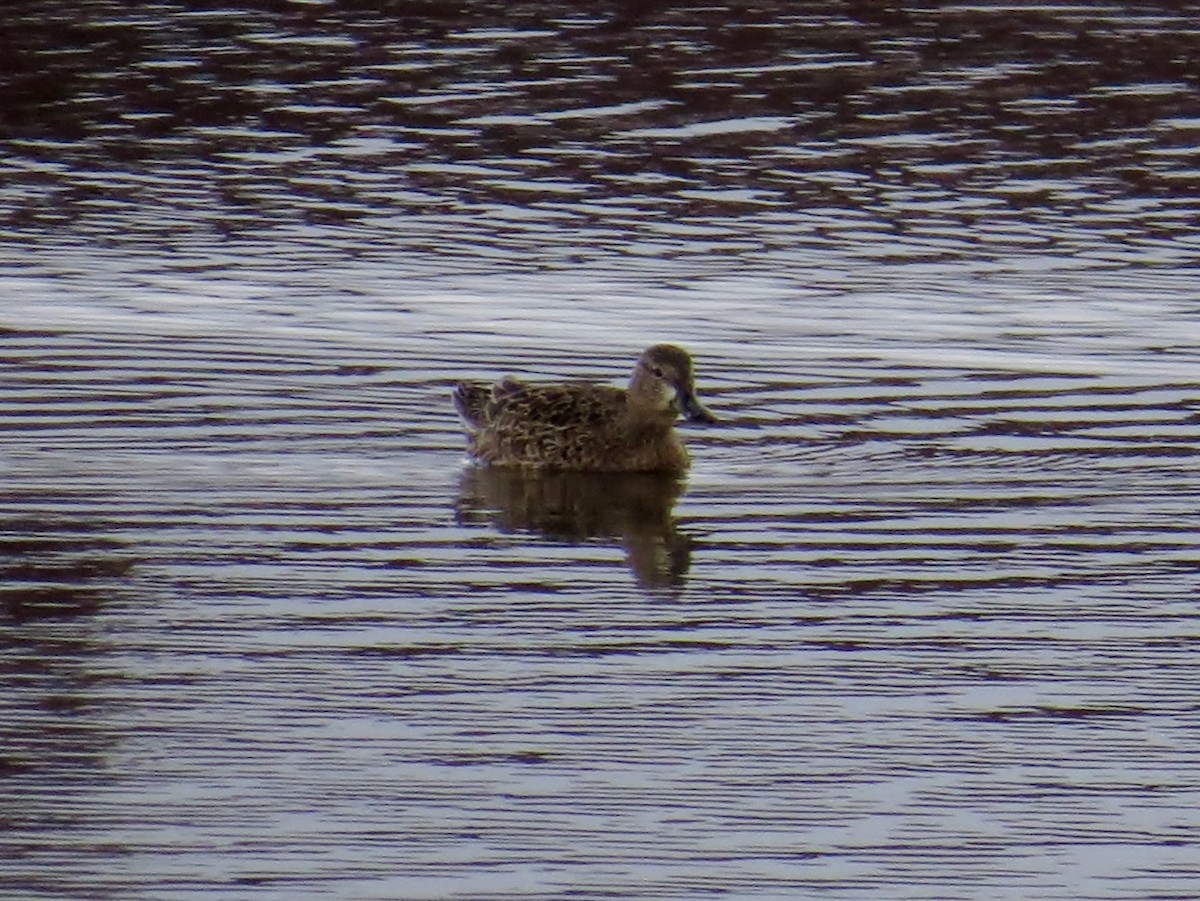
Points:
(582, 426)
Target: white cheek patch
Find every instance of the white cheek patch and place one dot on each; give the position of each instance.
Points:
(667, 392)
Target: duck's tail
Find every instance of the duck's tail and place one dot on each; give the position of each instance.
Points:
(471, 400)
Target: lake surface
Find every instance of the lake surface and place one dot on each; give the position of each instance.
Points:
(920, 623)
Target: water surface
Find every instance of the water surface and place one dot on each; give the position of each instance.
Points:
(920, 622)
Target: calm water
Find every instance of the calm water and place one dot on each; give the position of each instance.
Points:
(921, 623)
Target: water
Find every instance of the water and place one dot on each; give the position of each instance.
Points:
(920, 622)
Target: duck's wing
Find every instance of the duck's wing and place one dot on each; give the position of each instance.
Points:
(516, 404)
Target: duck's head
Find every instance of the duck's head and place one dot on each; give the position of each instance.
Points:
(664, 378)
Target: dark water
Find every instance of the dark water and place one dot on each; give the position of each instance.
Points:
(921, 621)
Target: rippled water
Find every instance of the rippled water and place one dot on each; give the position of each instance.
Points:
(921, 621)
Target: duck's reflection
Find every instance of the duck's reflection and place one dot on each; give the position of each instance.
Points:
(637, 509)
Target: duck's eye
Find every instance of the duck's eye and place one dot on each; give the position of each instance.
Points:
(658, 373)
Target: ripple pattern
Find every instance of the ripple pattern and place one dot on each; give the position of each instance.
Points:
(936, 639)
(920, 623)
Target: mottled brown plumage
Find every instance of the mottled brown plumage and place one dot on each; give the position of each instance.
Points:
(586, 427)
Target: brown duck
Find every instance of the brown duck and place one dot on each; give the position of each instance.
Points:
(583, 426)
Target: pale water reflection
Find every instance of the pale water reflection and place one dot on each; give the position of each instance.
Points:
(920, 622)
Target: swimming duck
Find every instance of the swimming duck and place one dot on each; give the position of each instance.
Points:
(586, 427)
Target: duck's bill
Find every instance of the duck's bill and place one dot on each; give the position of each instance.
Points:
(692, 409)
